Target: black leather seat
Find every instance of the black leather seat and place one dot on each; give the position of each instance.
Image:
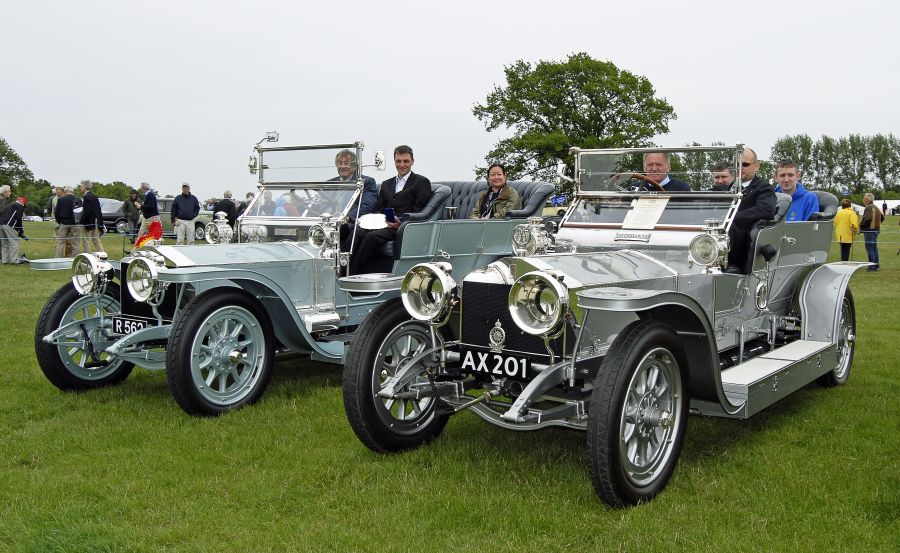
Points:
(828, 206)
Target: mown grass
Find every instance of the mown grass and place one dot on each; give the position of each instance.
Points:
(125, 469)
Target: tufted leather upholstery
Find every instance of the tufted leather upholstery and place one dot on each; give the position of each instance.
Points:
(782, 205)
(828, 206)
(463, 195)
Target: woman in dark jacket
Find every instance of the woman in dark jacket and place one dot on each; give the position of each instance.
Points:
(498, 199)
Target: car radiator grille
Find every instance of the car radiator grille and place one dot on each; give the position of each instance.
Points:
(482, 305)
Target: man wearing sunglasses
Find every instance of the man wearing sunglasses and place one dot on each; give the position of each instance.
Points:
(757, 204)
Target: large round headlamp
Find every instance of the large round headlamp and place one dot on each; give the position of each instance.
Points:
(538, 303)
(142, 279)
(89, 273)
(427, 289)
(317, 236)
(704, 249)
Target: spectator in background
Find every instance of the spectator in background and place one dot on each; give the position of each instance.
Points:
(185, 209)
(803, 202)
(149, 209)
(11, 231)
(91, 220)
(57, 194)
(884, 210)
(870, 225)
(723, 177)
(846, 227)
(5, 193)
(226, 204)
(132, 210)
(68, 238)
(246, 203)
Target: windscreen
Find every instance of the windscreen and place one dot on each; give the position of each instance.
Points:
(648, 212)
(278, 201)
(694, 170)
(308, 164)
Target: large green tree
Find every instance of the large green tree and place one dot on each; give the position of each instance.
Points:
(853, 163)
(13, 169)
(884, 157)
(800, 149)
(551, 106)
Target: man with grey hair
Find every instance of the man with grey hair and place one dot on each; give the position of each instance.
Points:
(91, 220)
(657, 166)
(5, 193)
(870, 226)
(67, 236)
(226, 205)
(185, 209)
(149, 210)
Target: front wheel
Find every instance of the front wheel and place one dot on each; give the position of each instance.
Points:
(638, 415)
(219, 355)
(386, 339)
(78, 360)
(846, 344)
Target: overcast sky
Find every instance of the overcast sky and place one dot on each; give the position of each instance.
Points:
(173, 91)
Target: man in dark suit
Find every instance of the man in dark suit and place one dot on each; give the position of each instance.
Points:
(91, 220)
(227, 206)
(348, 171)
(757, 204)
(657, 166)
(405, 193)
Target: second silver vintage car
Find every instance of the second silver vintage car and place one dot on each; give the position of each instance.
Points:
(214, 316)
(620, 326)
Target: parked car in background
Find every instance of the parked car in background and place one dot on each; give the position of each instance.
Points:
(33, 218)
(619, 326)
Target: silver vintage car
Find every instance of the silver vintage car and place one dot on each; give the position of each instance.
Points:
(620, 325)
(214, 316)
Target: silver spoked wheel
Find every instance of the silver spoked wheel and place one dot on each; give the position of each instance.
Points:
(846, 340)
(402, 416)
(122, 226)
(650, 417)
(228, 355)
(199, 232)
(76, 347)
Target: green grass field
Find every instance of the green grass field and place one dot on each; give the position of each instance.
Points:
(124, 468)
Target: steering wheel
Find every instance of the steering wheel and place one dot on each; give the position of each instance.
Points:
(615, 178)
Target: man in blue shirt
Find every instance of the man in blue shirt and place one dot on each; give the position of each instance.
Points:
(185, 209)
(803, 202)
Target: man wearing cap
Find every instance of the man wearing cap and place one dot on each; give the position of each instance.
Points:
(131, 209)
(185, 209)
(11, 231)
(91, 219)
(149, 209)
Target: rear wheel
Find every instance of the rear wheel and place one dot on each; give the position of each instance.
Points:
(846, 344)
(199, 232)
(219, 355)
(78, 361)
(122, 226)
(386, 339)
(638, 415)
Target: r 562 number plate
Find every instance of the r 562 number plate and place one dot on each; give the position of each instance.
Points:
(126, 325)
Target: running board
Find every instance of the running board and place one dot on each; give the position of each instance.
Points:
(763, 380)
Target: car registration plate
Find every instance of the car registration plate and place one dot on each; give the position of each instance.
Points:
(495, 364)
(127, 325)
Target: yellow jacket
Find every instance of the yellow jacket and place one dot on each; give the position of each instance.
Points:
(846, 225)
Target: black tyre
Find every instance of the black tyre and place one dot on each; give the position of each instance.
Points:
(846, 344)
(387, 337)
(199, 232)
(219, 355)
(80, 361)
(638, 415)
(121, 226)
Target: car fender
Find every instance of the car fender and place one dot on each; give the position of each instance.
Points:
(680, 311)
(819, 299)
